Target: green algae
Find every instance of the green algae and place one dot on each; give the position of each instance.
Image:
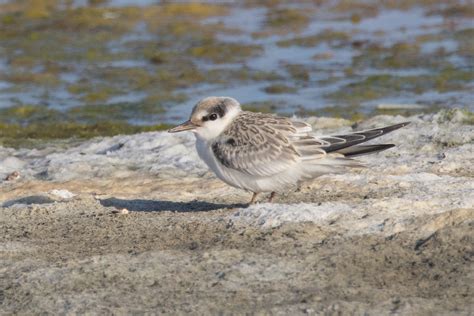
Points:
(15, 135)
(465, 43)
(398, 56)
(374, 87)
(279, 88)
(355, 113)
(42, 78)
(333, 38)
(193, 9)
(222, 52)
(357, 10)
(28, 125)
(371, 8)
(465, 10)
(452, 79)
(119, 112)
(29, 114)
(44, 40)
(380, 86)
(459, 115)
(74, 37)
(24, 114)
(173, 78)
(133, 77)
(37, 34)
(298, 72)
(243, 74)
(348, 112)
(262, 107)
(287, 20)
(97, 96)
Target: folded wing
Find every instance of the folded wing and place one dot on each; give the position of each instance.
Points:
(264, 145)
(260, 144)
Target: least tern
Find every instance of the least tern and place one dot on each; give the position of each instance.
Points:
(261, 152)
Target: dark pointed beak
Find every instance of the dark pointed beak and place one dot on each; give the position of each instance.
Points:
(186, 126)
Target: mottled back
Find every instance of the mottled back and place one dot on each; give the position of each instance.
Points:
(259, 144)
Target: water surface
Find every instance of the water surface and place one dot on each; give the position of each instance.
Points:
(147, 63)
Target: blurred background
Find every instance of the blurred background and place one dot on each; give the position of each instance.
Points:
(78, 69)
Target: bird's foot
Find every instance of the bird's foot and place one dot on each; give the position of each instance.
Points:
(254, 198)
(255, 194)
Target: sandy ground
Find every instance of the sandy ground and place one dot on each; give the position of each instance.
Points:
(136, 224)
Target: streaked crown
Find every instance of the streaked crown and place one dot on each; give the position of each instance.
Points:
(213, 108)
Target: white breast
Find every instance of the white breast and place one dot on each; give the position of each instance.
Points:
(242, 180)
(205, 153)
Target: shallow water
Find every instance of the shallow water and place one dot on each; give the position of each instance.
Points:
(147, 63)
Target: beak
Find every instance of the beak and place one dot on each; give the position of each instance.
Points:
(186, 126)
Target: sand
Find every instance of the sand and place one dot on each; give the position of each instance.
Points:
(137, 224)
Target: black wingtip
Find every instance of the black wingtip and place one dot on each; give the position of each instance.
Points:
(393, 127)
(367, 135)
(364, 149)
(403, 124)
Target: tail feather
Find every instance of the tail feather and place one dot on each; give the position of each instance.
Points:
(338, 142)
(334, 163)
(363, 149)
(339, 151)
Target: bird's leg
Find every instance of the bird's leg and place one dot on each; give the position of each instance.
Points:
(270, 198)
(254, 197)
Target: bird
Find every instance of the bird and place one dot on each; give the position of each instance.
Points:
(266, 153)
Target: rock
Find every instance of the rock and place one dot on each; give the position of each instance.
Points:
(13, 176)
(385, 239)
(63, 194)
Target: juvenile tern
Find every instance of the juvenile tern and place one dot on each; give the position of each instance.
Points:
(261, 152)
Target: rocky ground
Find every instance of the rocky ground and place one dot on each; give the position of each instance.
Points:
(136, 224)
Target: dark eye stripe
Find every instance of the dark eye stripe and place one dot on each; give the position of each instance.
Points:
(219, 109)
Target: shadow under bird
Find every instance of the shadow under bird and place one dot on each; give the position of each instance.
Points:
(261, 152)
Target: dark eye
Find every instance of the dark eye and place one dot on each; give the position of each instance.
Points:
(213, 117)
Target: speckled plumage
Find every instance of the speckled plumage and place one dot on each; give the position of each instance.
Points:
(266, 153)
(254, 140)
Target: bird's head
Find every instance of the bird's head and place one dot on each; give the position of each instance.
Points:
(210, 117)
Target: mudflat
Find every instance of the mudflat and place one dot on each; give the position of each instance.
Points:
(136, 224)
